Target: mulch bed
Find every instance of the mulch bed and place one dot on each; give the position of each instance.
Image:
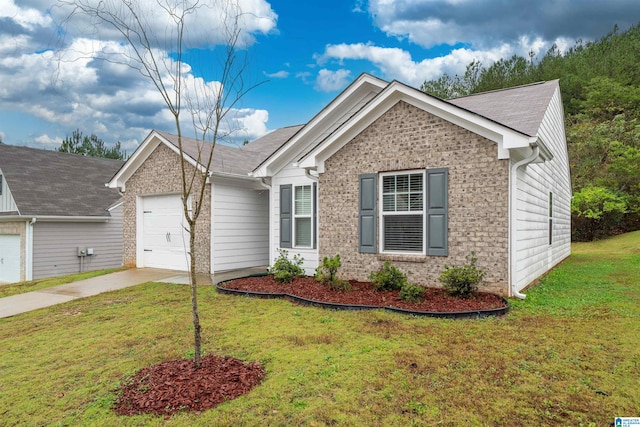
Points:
(177, 386)
(363, 293)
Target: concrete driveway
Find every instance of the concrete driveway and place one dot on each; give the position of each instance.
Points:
(22, 303)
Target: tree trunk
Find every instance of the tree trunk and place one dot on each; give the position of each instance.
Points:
(194, 296)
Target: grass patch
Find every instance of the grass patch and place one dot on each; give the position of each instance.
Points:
(36, 285)
(568, 355)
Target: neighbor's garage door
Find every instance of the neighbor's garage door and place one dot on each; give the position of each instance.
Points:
(163, 237)
(9, 258)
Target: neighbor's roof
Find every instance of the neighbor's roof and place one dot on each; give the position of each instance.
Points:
(521, 108)
(234, 160)
(49, 183)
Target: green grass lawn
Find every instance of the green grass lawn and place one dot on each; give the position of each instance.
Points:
(569, 355)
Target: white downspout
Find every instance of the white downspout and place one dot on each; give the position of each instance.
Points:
(512, 220)
(28, 262)
(267, 185)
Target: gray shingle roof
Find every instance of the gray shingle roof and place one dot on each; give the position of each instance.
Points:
(235, 160)
(521, 108)
(49, 183)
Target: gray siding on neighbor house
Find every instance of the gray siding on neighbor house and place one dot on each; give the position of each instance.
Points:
(55, 245)
(7, 204)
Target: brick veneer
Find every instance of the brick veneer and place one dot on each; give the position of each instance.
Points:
(406, 138)
(160, 174)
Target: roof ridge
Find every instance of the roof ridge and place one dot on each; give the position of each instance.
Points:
(502, 90)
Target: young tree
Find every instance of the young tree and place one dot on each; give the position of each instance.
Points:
(156, 51)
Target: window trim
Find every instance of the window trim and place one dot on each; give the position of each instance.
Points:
(382, 213)
(295, 217)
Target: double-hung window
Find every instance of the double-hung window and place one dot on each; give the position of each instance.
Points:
(402, 222)
(302, 216)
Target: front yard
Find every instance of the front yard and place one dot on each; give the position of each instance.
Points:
(569, 355)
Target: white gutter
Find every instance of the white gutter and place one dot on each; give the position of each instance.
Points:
(513, 215)
(56, 218)
(309, 175)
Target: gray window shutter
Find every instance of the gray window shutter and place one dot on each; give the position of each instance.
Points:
(367, 213)
(437, 212)
(286, 216)
(314, 200)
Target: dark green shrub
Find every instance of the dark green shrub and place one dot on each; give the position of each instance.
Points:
(462, 281)
(596, 212)
(411, 292)
(388, 278)
(284, 269)
(327, 274)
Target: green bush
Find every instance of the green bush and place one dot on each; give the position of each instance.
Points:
(327, 274)
(388, 278)
(462, 281)
(284, 270)
(596, 212)
(411, 292)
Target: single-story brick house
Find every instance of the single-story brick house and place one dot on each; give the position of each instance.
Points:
(384, 172)
(53, 205)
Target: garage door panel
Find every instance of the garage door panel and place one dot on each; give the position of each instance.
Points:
(163, 234)
(9, 258)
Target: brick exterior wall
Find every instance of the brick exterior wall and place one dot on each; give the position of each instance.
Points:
(160, 174)
(18, 228)
(406, 138)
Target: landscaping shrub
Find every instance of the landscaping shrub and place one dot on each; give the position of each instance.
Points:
(284, 269)
(462, 281)
(411, 292)
(388, 278)
(327, 274)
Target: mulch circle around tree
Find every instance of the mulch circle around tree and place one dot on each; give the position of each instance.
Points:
(434, 300)
(177, 385)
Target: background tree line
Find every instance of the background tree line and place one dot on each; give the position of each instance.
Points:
(600, 83)
(91, 145)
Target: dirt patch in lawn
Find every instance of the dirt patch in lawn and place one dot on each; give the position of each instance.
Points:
(434, 300)
(177, 386)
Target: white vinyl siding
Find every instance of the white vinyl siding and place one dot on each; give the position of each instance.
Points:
(302, 216)
(534, 255)
(7, 204)
(240, 227)
(55, 245)
(296, 177)
(402, 220)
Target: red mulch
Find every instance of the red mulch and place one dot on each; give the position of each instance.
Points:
(176, 385)
(363, 293)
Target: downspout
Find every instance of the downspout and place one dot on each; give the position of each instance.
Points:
(28, 264)
(309, 175)
(267, 186)
(512, 221)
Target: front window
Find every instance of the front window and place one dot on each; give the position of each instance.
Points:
(402, 216)
(302, 216)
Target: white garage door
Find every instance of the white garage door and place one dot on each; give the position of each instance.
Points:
(9, 258)
(164, 240)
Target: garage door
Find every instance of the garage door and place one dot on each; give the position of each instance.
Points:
(164, 240)
(9, 258)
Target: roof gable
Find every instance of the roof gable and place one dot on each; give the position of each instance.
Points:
(365, 88)
(50, 183)
(503, 135)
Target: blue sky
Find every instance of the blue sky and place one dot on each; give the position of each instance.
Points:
(304, 52)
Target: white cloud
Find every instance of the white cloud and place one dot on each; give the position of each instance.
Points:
(329, 81)
(395, 63)
(251, 123)
(86, 81)
(48, 142)
(282, 74)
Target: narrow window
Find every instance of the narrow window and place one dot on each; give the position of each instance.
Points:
(403, 219)
(303, 216)
(550, 218)
(0, 185)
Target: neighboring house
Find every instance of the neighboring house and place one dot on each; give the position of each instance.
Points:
(384, 172)
(51, 206)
